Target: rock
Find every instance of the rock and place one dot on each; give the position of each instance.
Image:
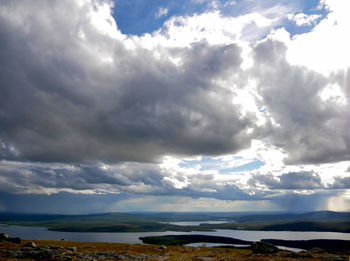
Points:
(73, 249)
(15, 240)
(47, 254)
(30, 244)
(263, 248)
(200, 258)
(56, 247)
(147, 257)
(127, 256)
(162, 247)
(4, 237)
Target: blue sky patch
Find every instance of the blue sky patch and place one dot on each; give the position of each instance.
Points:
(138, 17)
(245, 167)
(207, 163)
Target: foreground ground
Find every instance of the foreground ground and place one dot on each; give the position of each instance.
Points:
(67, 250)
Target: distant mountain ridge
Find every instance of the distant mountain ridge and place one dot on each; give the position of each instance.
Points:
(315, 215)
(180, 216)
(151, 222)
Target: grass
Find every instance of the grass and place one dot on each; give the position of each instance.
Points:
(172, 253)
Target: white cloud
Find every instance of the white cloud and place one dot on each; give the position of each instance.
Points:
(162, 11)
(198, 1)
(325, 48)
(100, 16)
(211, 27)
(302, 19)
(230, 3)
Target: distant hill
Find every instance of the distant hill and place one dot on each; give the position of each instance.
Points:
(311, 216)
(143, 222)
(180, 216)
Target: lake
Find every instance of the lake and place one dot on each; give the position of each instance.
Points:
(196, 223)
(133, 238)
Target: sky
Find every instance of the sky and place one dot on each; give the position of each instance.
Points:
(165, 105)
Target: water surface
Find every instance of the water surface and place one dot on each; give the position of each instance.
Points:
(195, 223)
(133, 238)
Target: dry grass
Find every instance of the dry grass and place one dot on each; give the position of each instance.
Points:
(171, 253)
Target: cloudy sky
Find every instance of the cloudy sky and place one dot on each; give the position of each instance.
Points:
(174, 105)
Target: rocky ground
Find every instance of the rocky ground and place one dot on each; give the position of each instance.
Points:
(67, 250)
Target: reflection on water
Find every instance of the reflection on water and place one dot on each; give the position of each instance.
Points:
(195, 223)
(133, 238)
(236, 245)
(291, 249)
(214, 245)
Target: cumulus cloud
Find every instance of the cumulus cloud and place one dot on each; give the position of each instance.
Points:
(309, 129)
(341, 183)
(88, 97)
(125, 178)
(324, 49)
(288, 181)
(302, 19)
(86, 109)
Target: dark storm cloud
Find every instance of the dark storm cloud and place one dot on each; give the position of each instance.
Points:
(62, 202)
(303, 202)
(288, 181)
(41, 178)
(210, 189)
(60, 103)
(300, 180)
(310, 130)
